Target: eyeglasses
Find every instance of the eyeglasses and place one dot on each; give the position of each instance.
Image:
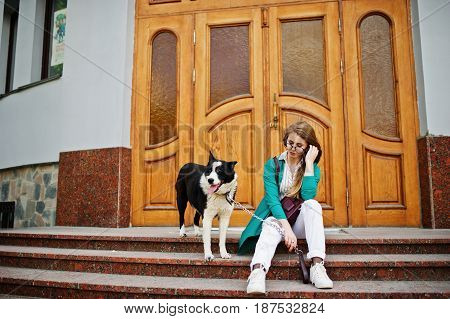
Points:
(299, 149)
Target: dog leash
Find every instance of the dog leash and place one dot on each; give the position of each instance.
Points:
(303, 269)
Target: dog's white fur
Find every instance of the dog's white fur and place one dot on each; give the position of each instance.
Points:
(183, 231)
(217, 205)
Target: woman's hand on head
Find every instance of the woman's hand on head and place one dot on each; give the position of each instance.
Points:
(312, 154)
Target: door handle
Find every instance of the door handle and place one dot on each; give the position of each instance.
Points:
(275, 119)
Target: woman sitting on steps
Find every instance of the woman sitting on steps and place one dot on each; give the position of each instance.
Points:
(299, 175)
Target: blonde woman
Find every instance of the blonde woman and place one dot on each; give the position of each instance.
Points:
(299, 176)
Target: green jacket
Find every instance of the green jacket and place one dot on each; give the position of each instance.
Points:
(271, 205)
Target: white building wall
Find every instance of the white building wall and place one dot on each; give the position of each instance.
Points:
(89, 106)
(431, 25)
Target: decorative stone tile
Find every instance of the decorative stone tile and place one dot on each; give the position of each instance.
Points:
(40, 207)
(4, 191)
(47, 178)
(38, 178)
(51, 191)
(13, 192)
(31, 208)
(37, 220)
(50, 203)
(37, 191)
(28, 189)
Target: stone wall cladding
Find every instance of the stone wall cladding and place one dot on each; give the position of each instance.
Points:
(434, 174)
(94, 188)
(34, 190)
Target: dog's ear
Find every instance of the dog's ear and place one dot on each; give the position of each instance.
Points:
(211, 157)
(232, 164)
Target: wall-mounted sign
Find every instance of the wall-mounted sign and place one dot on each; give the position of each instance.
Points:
(59, 34)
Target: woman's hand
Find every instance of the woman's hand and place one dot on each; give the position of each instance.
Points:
(290, 240)
(311, 155)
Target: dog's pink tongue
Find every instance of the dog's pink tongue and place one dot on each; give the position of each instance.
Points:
(213, 188)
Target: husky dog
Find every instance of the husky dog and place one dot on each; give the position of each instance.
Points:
(209, 189)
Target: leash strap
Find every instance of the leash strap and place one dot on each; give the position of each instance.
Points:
(304, 273)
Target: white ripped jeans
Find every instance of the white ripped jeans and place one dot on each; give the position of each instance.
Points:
(309, 225)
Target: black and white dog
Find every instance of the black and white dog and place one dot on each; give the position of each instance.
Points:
(208, 189)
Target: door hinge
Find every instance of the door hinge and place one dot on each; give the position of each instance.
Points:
(342, 67)
(346, 198)
(339, 25)
(193, 76)
(194, 38)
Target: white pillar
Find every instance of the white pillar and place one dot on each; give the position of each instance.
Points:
(432, 63)
(420, 85)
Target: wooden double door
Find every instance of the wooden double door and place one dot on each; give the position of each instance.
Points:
(232, 81)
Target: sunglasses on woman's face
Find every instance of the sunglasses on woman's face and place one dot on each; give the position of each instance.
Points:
(299, 149)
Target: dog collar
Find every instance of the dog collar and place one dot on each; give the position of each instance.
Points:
(228, 199)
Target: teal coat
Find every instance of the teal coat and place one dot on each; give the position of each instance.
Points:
(271, 205)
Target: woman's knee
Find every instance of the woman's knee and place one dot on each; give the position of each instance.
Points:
(313, 206)
(271, 220)
(271, 226)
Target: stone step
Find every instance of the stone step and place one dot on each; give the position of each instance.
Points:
(65, 284)
(165, 239)
(285, 266)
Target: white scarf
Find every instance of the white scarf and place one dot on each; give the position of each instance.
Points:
(288, 176)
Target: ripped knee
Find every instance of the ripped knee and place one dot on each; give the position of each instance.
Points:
(272, 220)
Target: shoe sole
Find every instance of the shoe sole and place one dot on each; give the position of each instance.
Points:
(323, 287)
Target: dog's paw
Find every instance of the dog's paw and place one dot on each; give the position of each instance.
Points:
(225, 255)
(198, 234)
(183, 231)
(209, 257)
(197, 231)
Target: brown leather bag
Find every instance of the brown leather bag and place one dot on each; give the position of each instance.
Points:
(291, 207)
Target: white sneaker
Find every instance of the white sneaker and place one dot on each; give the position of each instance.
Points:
(257, 282)
(318, 276)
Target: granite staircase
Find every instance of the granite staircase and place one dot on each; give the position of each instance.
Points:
(66, 262)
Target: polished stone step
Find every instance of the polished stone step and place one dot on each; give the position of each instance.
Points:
(64, 284)
(165, 239)
(284, 266)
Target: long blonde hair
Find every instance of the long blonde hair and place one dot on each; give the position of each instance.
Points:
(306, 132)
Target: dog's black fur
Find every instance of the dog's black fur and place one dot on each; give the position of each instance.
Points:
(188, 190)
